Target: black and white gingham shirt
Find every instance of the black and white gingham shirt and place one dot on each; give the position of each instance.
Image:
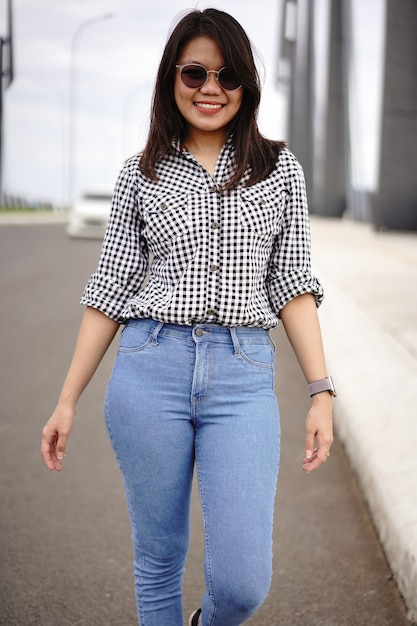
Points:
(180, 250)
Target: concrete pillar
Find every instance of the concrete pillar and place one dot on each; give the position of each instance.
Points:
(396, 201)
(301, 100)
(329, 197)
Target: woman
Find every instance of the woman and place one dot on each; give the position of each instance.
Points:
(222, 213)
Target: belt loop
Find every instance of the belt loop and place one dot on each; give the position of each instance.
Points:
(155, 333)
(236, 344)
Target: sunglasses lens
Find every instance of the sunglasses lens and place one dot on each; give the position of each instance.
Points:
(193, 76)
(228, 80)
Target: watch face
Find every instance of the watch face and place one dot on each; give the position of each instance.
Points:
(332, 388)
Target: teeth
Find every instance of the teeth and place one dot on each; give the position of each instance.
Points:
(205, 105)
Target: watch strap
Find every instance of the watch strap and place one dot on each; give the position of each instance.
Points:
(324, 384)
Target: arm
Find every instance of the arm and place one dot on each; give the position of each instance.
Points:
(301, 323)
(96, 334)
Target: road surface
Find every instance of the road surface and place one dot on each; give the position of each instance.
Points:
(65, 551)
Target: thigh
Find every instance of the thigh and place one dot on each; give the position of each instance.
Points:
(237, 457)
(148, 421)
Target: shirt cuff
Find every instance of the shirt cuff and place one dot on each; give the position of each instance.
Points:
(289, 286)
(104, 294)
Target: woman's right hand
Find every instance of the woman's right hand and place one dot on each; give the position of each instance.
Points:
(55, 435)
(96, 334)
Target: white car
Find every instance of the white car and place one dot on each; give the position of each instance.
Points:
(89, 216)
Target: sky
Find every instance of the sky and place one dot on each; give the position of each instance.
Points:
(114, 48)
(114, 58)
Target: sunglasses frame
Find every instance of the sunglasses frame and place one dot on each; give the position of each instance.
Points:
(208, 72)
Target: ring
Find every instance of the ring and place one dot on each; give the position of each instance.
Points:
(327, 453)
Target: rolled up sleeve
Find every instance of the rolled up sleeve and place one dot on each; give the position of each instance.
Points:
(123, 262)
(289, 271)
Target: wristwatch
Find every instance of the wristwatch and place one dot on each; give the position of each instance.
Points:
(325, 384)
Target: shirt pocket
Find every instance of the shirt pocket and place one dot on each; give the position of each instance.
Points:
(166, 218)
(261, 210)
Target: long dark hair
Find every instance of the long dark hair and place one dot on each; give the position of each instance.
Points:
(252, 150)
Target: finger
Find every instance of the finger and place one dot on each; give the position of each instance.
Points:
(48, 452)
(322, 455)
(318, 458)
(58, 450)
(324, 448)
(61, 445)
(310, 455)
(310, 461)
(309, 449)
(312, 464)
(53, 448)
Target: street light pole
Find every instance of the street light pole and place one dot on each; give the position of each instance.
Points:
(72, 102)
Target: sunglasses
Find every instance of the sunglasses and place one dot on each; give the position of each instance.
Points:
(195, 76)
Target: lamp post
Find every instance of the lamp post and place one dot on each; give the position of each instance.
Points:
(72, 101)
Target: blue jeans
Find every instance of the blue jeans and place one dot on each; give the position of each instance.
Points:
(202, 395)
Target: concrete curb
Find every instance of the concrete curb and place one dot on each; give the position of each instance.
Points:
(375, 419)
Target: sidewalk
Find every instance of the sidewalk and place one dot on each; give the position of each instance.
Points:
(369, 326)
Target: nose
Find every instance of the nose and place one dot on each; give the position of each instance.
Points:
(212, 83)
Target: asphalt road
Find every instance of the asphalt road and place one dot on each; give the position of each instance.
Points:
(65, 551)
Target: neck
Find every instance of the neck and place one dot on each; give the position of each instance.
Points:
(206, 149)
(205, 143)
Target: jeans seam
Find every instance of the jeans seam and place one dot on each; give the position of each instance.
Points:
(206, 541)
(129, 506)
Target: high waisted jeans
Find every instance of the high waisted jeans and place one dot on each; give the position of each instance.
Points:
(202, 395)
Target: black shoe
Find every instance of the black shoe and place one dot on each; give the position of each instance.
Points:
(194, 618)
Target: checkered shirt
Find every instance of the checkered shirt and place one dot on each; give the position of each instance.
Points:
(181, 250)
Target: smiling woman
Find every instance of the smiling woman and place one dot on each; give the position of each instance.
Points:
(207, 247)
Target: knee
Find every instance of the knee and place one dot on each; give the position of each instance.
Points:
(242, 598)
(159, 557)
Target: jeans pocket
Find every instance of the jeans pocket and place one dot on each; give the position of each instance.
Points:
(259, 355)
(134, 339)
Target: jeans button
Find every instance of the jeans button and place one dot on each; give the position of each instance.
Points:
(199, 332)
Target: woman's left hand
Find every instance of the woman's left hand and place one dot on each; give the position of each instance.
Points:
(319, 428)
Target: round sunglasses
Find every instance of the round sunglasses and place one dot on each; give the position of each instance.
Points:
(194, 76)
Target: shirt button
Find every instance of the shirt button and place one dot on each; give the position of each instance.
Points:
(199, 332)
(214, 225)
(164, 206)
(214, 189)
(211, 313)
(214, 268)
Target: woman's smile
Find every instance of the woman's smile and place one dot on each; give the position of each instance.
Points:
(208, 107)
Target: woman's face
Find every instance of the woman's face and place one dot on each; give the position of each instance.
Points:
(208, 109)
